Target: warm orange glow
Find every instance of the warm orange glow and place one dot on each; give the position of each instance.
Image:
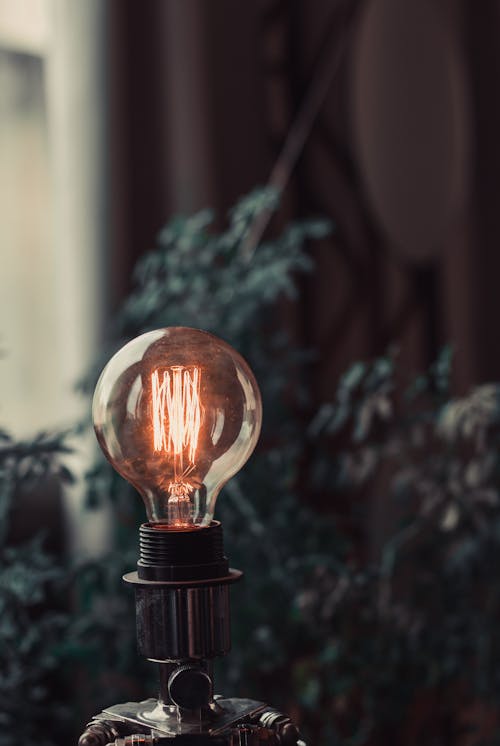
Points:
(176, 420)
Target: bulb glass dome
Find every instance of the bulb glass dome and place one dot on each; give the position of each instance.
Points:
(177, 412)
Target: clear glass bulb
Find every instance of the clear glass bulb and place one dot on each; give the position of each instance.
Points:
(177, 412)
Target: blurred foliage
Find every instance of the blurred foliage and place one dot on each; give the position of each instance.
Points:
(410, 634)
(372, 622)
(32, 621)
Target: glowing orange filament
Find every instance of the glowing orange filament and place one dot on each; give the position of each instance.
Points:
(177, 419)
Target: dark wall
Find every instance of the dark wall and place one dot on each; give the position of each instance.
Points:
(402, 156)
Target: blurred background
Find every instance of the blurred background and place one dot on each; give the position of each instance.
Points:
(380, 116)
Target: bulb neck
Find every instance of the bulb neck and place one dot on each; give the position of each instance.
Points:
(170, 555)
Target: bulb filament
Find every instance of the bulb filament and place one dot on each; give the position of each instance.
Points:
(176, 410)
(176, 427)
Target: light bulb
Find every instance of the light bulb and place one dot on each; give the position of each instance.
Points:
(177, 412)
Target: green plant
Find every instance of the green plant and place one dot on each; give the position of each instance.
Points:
(374, 621)
(349, 630)
(32, 620)
(410, 633)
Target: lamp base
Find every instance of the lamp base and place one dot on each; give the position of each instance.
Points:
(183, 623)
(229, 722)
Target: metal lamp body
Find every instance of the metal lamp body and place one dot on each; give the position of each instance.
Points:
(183, 623)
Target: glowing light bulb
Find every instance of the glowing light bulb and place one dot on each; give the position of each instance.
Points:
(177, 412)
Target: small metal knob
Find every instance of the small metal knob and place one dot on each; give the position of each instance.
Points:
(290, 735)
(190, 687)
(99, 733)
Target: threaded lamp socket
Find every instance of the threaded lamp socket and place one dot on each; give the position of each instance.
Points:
(169, 555)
